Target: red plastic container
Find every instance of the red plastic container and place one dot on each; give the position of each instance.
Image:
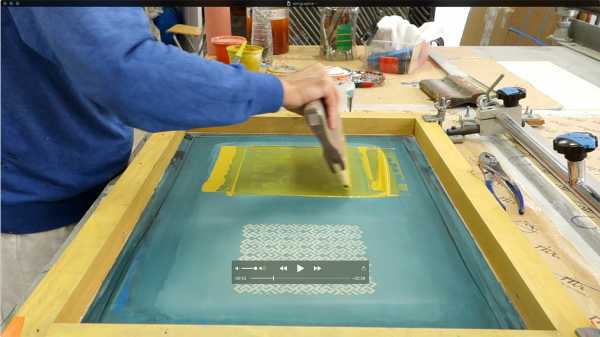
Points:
(222, 42)
(389, 64)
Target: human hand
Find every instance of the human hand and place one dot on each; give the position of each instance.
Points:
(310, 84)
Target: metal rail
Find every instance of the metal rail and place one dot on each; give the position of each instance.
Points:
(574, 217)
(586, 189)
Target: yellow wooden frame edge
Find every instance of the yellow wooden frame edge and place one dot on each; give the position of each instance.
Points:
(181, 330)
(60, 300)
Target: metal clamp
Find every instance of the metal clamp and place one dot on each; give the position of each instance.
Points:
(441, 106)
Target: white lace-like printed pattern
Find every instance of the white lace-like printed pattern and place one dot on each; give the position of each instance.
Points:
(303, 242)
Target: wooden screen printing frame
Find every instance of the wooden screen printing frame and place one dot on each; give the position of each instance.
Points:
(61, 299)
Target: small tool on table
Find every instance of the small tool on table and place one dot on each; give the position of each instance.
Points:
(493, 172)
(238, 55)
(332, 141)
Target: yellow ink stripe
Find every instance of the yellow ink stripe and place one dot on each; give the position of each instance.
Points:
(299, 171)
(218, 174)
(365, 162)
(383, 173)
(237, 174)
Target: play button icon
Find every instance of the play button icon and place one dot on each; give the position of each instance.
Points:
(299, 268)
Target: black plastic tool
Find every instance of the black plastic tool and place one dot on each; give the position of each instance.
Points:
(511, 96)
(575, 145)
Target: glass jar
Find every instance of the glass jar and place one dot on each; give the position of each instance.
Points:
(279, 26)
(338, 33)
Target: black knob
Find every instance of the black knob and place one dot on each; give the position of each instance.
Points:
(510, 96)
(575, 145)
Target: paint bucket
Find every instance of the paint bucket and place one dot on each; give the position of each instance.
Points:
(217, 23)
(251, 57)
(222, 42)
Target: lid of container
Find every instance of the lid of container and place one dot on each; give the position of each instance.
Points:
(338, 73)
(227, 40)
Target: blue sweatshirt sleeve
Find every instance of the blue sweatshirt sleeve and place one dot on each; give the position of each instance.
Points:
(110, 57)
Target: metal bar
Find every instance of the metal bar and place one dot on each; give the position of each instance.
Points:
(585, 34)
(451, 69)
(559, 202)
(446, 66)
(586, 189)
(491, 88)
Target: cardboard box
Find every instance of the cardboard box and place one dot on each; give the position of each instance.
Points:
(509, 26)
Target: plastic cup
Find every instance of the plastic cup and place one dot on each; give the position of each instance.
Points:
(251, 57)
(222, 42)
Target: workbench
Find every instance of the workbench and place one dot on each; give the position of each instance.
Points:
(546, 235)
(401, 95)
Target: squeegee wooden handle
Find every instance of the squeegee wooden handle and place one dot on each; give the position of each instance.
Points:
(315, 107)
(314, 114)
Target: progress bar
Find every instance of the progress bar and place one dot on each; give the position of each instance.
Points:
(300, 272)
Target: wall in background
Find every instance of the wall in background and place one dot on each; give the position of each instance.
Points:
(453, 20)
(509, 26)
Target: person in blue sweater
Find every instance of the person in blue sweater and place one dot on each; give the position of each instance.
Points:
(75, 81)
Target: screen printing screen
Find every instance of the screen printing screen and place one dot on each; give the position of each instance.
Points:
(248, 229)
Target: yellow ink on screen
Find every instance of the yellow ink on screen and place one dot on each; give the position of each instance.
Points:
(302, 171)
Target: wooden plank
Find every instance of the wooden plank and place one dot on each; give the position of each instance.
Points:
(546, 238)
(181, 330)
(537, 295)
(71, 284)
(545, 235)
(133, 191)
(487, 70)
(355, 123)
(404, 90)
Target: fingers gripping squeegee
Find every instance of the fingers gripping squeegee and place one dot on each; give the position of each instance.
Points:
(333, 141)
